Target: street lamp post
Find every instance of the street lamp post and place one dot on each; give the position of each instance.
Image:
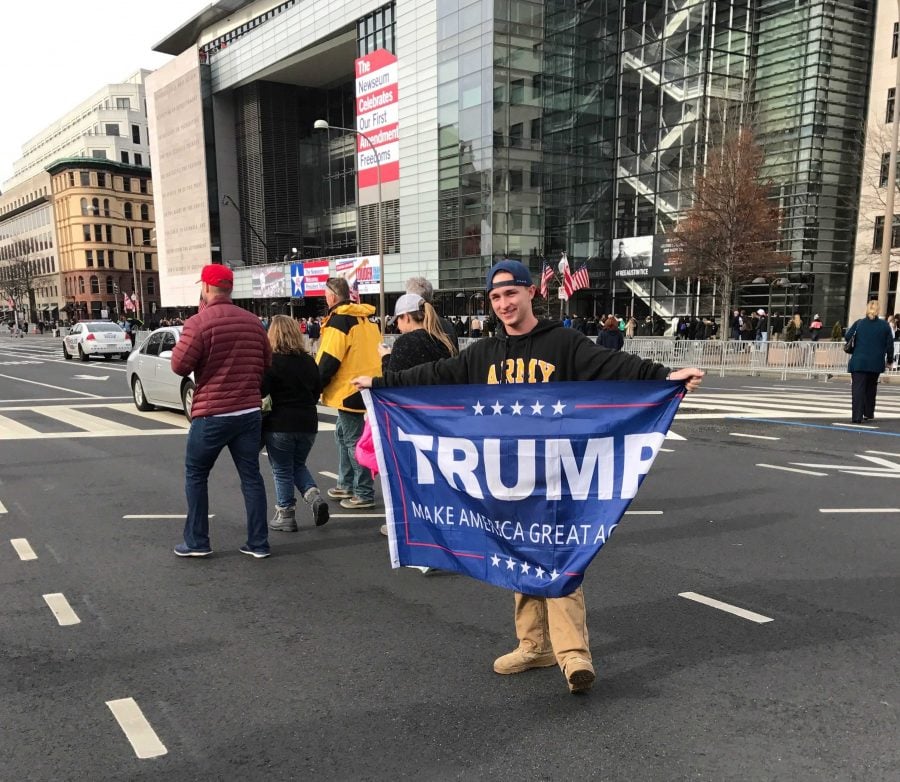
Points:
(321, 124)
(887, 235)
(227, 199)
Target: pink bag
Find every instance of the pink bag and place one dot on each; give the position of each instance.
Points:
(365, 450)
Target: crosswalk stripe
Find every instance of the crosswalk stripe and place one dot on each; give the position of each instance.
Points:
(10, 429)
(86, 421)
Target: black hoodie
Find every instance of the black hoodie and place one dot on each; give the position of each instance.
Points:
(549, 352)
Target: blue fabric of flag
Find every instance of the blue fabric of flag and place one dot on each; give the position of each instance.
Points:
(519, 485)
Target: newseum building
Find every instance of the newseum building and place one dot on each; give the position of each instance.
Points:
(504, 128)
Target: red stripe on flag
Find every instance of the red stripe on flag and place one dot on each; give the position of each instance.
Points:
(581, 279)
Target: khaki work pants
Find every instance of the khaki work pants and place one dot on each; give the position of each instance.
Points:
(557, 623)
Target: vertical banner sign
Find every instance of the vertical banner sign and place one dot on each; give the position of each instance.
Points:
(519, 484)
(377, 115)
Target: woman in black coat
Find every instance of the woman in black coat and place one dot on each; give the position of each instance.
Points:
(610, 337)
(873, 351)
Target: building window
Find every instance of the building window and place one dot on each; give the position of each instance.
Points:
(84, 207)
(71, 179)
(87, 232)
(889, 111)
(98, 154)
(136, 134)
(143, 185)
(879, 233)
(885, 167)
(109, 285)
(89, 262)
(145, 212)
(126, 184)
(110, 259)
(106, 207)
(138, 160)
(101, 179)
(130, 258)
(111, 128)
(145, 233)
(127, 210)
(124, 156)
(81, 284)
(85, 178)
(98, 233)
(894, 39)
(148, 262)
(123, 103)
(101, 259)
(109, 234)
(151, 286)
(95, 284)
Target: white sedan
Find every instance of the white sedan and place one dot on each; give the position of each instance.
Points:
(96, 338)
(150, 376)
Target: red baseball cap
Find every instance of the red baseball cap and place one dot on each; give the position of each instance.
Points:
(217, 275)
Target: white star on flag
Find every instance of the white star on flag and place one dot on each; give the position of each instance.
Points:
(298, 283)
(558, 408)
(510, 564)
(496, 407)
(554, 575)
(478, 407)
(517, 408)
(536, 408)
(495, 560)
(525, 567)
(539, 571)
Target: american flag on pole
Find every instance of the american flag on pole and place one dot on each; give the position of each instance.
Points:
(581, 278)
(127, 303)
(546, 275)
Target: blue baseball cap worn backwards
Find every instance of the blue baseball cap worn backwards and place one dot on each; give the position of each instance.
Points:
(519, 271)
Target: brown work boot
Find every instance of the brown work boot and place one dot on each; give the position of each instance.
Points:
(579, 674)
(522, 659)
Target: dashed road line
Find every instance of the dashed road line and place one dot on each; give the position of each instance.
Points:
(137, 729)
(753, 436)
(58, 388)
(160, 516)
(23, 549)
(791, 469)
(859, 510)
(727, 607)
(2, 508)
(356, 515)
(61, 609)
(331, 475)
(643, 513)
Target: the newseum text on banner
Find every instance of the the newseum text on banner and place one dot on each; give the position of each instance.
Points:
(377, 116)
(519, 485)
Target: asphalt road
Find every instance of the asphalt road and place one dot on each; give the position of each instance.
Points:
(323, 663)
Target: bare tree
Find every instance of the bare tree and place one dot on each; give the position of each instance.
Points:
(730, 233)
(17, 283)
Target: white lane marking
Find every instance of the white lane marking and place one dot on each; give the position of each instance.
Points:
(128, 432)
(643, 513)
(52, 399)
(331, 475)
(91, 377)
(137, 730)
(58, 388)
(753, 436)
(23, 548)
(667, 450)
(61, 609)
(672, 436)
(160, 516)
(356, 516)
(885, 453)
(174, 417)
(859, 510)
(853, 426)
(10, 429)
(2, 508)
(790, 469)
(91, 423)
(741, 612)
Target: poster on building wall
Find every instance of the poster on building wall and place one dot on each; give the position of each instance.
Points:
(377, 116)
(309, 278)
(640, 256)
(362, 274)
(269, 282)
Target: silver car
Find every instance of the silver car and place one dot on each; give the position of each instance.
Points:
(96, 338)
(150, 376)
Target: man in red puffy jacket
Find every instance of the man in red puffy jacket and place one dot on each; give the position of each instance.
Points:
(228, 351)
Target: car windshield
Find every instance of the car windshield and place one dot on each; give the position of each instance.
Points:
(104, 327)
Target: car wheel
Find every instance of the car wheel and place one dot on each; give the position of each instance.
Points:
(81, 354)
(187, 398)
(137, 392)
(66, 355)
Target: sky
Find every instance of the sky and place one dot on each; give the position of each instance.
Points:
(53, 55)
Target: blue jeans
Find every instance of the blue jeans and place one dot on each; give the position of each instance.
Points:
(287, 455)
(207, 437)
(351, 474)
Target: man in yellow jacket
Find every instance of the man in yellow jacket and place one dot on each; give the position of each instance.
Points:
(349, 348)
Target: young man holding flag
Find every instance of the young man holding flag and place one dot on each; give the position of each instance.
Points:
(550, 630)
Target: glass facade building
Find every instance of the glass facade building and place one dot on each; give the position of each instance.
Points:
(529, 129)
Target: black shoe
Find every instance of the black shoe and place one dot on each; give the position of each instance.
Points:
(856, 420)
(867, 420)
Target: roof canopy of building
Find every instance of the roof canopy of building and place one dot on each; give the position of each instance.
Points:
(184, 37)
(102, 164)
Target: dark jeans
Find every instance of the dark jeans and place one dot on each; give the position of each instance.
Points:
(351, 474)
(287, 456)
(206, 439)
(864, 386)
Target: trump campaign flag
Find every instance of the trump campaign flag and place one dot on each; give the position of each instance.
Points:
(519, 485)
